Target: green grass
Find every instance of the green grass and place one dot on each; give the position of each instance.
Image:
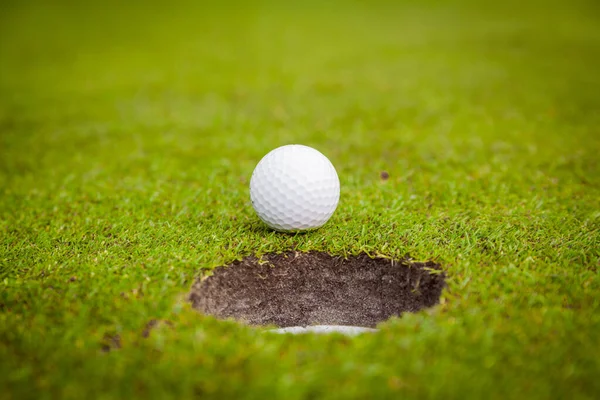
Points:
(128, 135)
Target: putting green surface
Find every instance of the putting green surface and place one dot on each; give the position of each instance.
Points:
(128, 134)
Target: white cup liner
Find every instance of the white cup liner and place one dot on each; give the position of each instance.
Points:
(343, 329)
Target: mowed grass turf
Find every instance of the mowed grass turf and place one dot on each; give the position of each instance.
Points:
(128, 137)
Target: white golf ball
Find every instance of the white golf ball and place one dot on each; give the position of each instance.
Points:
(294, 188)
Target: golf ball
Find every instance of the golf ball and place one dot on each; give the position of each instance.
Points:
(294, 188)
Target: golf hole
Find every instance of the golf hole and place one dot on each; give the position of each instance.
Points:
(303, 292)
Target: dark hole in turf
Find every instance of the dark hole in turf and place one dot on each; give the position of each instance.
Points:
(301, 289)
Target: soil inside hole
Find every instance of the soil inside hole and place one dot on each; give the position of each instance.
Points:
(301, 289)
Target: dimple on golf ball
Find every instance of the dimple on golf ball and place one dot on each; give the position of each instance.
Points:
(294, 188)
